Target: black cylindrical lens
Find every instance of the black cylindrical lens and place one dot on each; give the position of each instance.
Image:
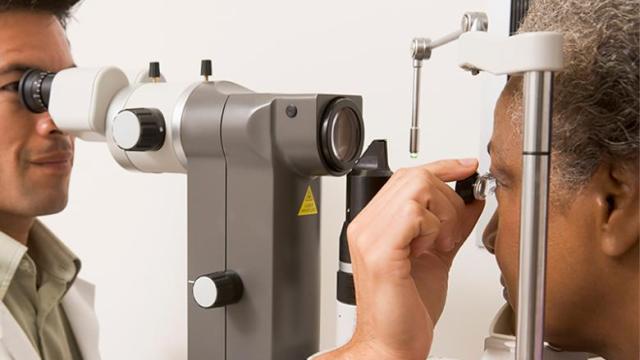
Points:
(341, 135)
(35, 90)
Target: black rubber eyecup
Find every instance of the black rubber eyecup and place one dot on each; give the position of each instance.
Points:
(34, 90)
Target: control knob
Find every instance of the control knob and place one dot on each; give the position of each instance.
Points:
(139, 129)
(218, 289)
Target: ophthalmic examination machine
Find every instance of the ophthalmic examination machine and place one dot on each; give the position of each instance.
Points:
(253, 163)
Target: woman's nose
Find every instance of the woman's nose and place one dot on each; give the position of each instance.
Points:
(490, 233)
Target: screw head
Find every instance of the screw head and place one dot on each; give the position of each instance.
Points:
(292, 111)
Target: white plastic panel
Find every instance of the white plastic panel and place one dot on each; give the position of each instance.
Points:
(346, 323)
(84, 114)
(501, 54)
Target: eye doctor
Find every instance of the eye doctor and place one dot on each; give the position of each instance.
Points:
(46, 310)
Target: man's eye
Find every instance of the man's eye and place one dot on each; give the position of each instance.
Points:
(13, 87)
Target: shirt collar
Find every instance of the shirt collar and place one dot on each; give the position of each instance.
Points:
(47, 251)
(51, 254)
(11, 252)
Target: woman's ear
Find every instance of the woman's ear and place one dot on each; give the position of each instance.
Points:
(619, 209)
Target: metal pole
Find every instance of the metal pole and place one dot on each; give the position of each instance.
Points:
(421, 50)
(538, 99)
(415, 129)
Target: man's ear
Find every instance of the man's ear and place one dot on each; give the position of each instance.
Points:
(618, 208)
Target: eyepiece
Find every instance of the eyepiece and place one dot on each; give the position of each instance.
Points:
(485, 186)
(476, 187)
(35, 90)
(341, 135)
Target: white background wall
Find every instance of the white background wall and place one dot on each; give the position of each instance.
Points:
(130, 229)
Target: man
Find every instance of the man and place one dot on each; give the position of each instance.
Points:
(46, 313)
(403, 244)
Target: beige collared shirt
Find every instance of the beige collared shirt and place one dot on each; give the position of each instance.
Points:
(33, 282)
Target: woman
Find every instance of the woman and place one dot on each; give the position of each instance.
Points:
(404, 242)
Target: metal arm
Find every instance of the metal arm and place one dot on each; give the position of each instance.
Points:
(421, 50)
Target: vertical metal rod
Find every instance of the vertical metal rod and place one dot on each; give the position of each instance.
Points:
(538, 99)
(414, 136)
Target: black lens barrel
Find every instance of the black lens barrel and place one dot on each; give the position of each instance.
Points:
(35, 90)
(340, 110)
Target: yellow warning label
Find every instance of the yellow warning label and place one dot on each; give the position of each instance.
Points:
(308, 206)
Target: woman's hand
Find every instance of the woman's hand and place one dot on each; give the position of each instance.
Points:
(402, 246)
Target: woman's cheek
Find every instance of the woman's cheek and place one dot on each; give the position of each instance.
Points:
(508, 237)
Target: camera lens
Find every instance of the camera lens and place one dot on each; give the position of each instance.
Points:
(35, 90)
(342, 135)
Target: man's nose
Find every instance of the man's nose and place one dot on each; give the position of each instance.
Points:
(45, 125)
(490, 233)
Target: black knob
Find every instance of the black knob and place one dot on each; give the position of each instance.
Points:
(206, 68)
(139, 129)
(154, 70)
(464, 188)
(218, 289)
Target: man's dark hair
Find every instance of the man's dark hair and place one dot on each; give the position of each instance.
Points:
(60, 8)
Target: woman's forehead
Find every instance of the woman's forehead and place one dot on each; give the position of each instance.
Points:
(506, 140)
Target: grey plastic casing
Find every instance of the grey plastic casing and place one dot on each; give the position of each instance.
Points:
(249, 168)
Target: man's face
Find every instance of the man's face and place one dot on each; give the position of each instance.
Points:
(572, 260)
(35, 157)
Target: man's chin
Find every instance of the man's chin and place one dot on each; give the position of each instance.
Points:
(49, 205)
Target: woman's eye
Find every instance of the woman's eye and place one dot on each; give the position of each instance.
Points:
(500, 184)
(13, 87)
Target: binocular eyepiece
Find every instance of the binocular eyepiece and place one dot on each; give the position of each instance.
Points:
(35, 90)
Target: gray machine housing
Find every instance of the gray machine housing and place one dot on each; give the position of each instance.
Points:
(253, 163)
(250, 164)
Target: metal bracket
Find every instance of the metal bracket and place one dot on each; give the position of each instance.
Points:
(421, 49)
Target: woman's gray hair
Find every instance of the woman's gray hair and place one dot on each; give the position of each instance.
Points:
(597, 95)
